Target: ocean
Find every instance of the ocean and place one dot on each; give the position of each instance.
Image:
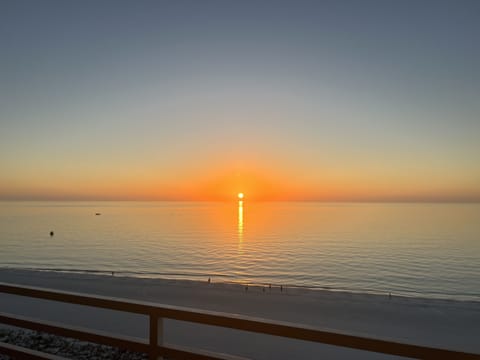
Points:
(409, 249)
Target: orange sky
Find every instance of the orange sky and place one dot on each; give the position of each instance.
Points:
(258, 184)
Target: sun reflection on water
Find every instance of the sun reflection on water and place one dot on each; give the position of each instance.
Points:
(240, 224)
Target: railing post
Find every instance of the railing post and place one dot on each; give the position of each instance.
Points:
(156, 336)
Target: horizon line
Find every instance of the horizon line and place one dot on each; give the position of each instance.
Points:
(365, 200)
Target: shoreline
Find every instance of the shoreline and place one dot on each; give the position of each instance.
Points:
(437, 323)
(221, 279)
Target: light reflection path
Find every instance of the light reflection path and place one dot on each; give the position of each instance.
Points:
(240, 226)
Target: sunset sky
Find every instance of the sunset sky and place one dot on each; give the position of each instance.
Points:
(200, 100)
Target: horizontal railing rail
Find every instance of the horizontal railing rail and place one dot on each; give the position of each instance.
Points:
(156, 347)
(26, 354)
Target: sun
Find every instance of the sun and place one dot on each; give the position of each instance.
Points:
(240, 196)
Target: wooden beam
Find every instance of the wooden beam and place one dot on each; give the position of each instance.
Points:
(19, 352)
(90, 335)
(251, 324)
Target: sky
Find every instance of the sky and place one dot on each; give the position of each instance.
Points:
(200, 100)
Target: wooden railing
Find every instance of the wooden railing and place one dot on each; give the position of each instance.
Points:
(155, 347)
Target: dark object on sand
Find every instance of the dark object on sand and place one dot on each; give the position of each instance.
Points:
(51, 233)
(98, 214)
(209, 280)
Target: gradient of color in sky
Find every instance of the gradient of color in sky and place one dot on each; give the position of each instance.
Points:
(316, 100)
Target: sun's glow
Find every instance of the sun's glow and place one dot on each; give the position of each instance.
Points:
(240, 196)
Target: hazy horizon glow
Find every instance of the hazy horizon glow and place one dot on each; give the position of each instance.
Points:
(188, 100)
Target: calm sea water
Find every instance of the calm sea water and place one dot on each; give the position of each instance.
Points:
(430, 250)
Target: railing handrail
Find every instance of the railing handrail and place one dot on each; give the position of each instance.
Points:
(239, 322)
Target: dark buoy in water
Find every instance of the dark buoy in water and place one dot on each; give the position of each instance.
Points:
(51, 233)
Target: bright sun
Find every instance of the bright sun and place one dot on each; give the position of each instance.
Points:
(240, 195)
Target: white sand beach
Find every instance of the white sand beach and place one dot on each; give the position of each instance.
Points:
(432, 322)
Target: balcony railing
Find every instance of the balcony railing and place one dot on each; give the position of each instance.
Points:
(156, 348)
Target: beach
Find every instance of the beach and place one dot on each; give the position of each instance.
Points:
(438, 323)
